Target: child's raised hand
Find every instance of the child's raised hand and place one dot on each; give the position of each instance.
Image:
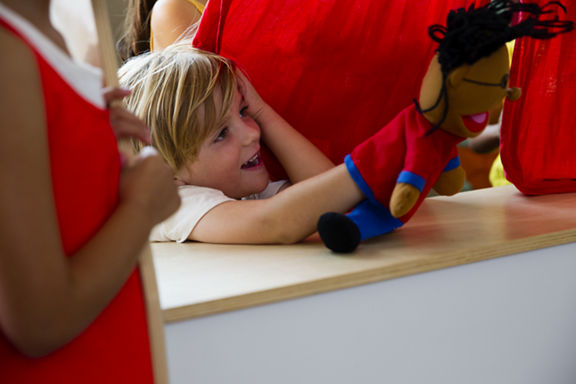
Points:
(147, 185)
(255, 103)
(126, 125)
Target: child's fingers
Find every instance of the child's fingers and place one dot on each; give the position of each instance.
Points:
(147, 181)
(127, 125)
(111, 94)
(255, 102)
(244, 84)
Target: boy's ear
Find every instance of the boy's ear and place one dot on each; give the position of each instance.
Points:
(457, 75)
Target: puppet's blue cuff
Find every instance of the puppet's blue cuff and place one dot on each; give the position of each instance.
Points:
(373, 219)
(358, 179)
(452, 164)
(370, 216)
(412, 179)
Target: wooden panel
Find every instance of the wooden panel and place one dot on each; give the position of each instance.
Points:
(197, 279)
(108, 61)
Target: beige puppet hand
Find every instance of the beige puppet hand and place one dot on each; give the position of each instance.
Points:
(404, 197)
(450, 182)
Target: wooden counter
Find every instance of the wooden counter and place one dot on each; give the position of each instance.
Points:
(201, 279)
(508, 320)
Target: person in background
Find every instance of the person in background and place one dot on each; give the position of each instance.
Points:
(152, 25)
(74, 20)
(73, 220)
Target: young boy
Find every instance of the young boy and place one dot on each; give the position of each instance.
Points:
(207, 121)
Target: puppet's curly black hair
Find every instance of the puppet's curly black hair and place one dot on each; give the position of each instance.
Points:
(473, 33)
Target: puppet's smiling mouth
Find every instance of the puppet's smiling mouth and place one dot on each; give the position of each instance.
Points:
(476, 123)
(255, 161)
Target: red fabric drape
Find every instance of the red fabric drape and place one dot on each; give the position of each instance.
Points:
(539, 130)
(337, 71)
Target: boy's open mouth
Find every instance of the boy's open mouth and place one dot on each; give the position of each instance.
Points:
(476, 123)
(253, 162)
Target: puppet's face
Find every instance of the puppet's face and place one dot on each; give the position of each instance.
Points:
(472, 92)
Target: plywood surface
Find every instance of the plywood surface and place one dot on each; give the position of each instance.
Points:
(197, 279)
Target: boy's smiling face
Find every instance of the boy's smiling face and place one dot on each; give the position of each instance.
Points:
(229, 160)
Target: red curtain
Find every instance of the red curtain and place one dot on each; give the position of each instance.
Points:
(336, 70)
(539, 130)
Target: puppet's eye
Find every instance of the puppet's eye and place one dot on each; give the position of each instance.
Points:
(504, 81)
(502, 84)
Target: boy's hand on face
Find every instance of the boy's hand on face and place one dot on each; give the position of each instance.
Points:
(256, 105)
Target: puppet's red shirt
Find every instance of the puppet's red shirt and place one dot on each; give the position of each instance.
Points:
(403, 151)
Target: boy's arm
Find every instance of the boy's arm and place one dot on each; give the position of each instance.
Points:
(285, 218)
(299, 157)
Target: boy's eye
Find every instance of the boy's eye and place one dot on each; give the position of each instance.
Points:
(222, 134)
(244, 111)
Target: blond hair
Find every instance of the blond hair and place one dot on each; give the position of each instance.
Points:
(183, 94)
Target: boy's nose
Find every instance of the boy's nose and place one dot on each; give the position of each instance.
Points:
(251, 132)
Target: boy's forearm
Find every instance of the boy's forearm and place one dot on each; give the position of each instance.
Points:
(299, 157)
(298, 208)
(286, 218)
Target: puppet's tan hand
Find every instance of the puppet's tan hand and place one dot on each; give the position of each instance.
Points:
(450, 182)
(403, 199)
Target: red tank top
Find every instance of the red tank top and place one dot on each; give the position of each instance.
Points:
(85, 169)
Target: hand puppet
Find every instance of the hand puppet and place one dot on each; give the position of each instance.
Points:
(416, 151)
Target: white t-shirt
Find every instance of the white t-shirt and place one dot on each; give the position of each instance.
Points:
(196, 202)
